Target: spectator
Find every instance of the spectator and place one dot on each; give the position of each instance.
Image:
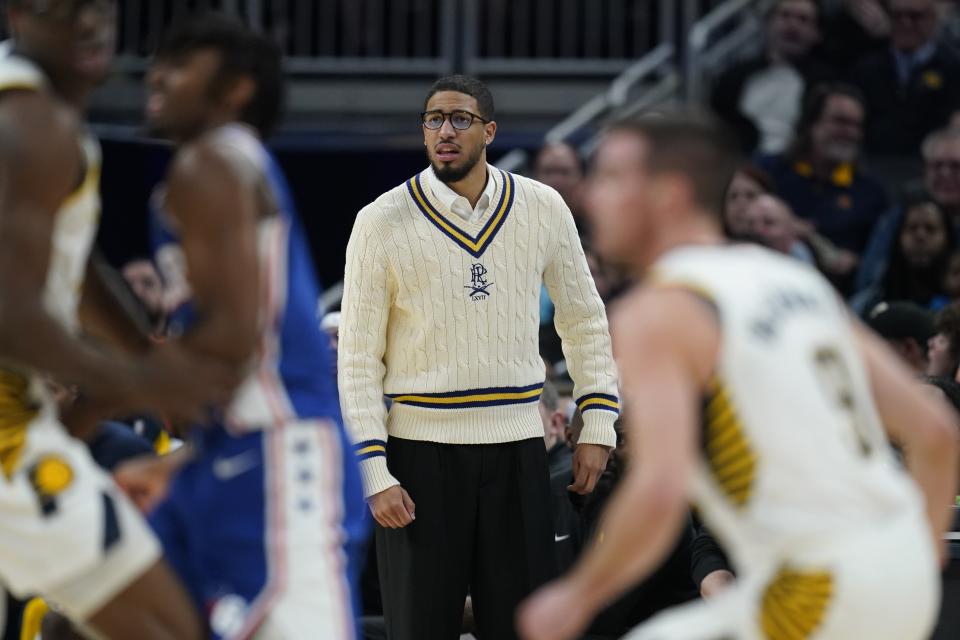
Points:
(851, 29)
(944, 347)
(907, 328)
(747, 184)
(145, 282)
(558, 165)
(770, 220)
(710, 567)
(760, 97)
(912, 88)
(918, 260)
(559, 455)
(941, 156)
(951, 282)
(820, 176)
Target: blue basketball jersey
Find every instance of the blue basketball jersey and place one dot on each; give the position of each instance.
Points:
(291, 378)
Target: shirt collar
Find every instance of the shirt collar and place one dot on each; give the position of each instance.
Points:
(918, 57)
(448, 196)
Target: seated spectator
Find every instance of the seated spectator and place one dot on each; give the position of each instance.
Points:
(145, 282)
(558, 165)
(851, 29)
(770, 220)
(912, 88)
(907, 328)
(820, 177)
(941, 178)
(918, 259)
(747, 184)
(944, 347)
(559, 455)
(710, 569)
(760, 97)
(951, 282)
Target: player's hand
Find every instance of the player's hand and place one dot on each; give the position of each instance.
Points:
(145, 479)
(392, 508)
(554, 612)
(715, 582)
(182, 385)
(589, 462)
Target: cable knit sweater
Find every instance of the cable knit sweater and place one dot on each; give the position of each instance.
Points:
(441, 316)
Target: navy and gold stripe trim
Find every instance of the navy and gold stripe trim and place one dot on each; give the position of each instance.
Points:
(598, 401)
(475, 246)
(490, 397)
(370, 449)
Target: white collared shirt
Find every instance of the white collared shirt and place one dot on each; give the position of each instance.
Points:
(457, 203)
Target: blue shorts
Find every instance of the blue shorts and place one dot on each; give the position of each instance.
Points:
(267, 530)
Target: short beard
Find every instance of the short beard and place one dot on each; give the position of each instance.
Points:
(449, 173)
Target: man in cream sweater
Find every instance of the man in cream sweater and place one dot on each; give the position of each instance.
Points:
(440, 314)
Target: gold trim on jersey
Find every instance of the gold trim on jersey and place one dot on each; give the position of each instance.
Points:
(729, 455)
(795, 603)
(91, 182)
(16, 413)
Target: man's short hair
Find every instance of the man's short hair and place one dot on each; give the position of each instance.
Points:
(468, 85)
(947, 322)
(937, 137)
(690, 143)
(242, 53)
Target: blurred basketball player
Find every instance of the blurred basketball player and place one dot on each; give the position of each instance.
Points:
(749, 389)
(265, 520)
(66, 532)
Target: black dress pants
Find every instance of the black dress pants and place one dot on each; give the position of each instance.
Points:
(483, 525)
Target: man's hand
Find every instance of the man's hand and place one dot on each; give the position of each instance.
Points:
(589, 462)
(715, 582)
(145, 479)
(392, 508)
(555, 612)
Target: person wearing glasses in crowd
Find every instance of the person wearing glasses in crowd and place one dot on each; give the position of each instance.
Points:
(440, 315)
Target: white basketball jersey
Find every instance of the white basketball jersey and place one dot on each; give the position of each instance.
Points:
(793, 452)
(74, 231)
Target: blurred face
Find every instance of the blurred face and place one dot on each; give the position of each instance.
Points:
(923, 237)
(836, 134)
(741, 194)
(913, 23)
(771, 221)
(792, 29)
(72, 39)
(454, 152)
(942, 172)
(559, 167)
(145, 283)
(951, 279)
(938, 351)
(617, 200)
(179, 94)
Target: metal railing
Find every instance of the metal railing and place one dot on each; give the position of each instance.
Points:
(719, 37)
(317, 36)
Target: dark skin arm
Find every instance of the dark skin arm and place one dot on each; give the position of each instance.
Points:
(214, 199)
(40, 165)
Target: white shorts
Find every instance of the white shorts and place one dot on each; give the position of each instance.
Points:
(66, 531)
(882, 585)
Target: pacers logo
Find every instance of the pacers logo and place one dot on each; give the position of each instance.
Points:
(479, 286)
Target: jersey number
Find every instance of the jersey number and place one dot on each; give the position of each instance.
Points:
(837, 383)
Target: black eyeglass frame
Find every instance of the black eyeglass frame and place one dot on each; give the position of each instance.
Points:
(449, 116)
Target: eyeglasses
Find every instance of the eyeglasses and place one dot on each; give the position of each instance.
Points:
(460, 120)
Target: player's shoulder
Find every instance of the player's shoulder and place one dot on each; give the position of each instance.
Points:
(389, 209)
(212, 154)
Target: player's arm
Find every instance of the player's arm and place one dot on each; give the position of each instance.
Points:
(214, 199)
(41, 165)
(921, 423)
(109, 312)
(666, 343)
